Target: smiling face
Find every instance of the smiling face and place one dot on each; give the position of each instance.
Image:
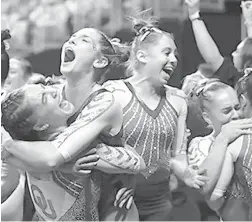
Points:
(223, 107)
(157, 55)
(162, 58)
(80, 51)
(49, 106)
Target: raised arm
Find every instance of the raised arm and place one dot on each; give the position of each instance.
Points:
(204, 41)
(247, 15)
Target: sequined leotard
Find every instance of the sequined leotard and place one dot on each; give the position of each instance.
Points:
(151, 133)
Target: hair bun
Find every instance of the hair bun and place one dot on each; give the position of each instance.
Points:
(200, 86)
(247, 72)
(138, 26)
(142, 19)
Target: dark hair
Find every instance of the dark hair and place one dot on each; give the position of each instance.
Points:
(244, 85)
(204, 89)
(146, 32)
(117, 53)
(17, 116)
(5, 34)
(246, 53)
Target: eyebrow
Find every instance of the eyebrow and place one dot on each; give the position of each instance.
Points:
(170, 49)
(167, 48)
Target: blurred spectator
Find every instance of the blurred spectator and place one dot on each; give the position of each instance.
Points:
(5, 34)
(50, 24)
(19, 73)
(86, 13)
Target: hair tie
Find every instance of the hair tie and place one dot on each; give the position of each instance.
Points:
(204, 85)
(115, 40)
(247, 72)
(146, 30)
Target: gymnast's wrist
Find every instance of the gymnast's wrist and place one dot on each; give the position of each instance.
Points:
(195, 16)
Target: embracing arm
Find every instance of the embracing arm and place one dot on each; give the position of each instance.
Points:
(40, 154)
(214, 161)
(204, 41)
(51, 155)
(116, 160)
(20, 164)
(216, 200)
(232, 153)
(249, 29)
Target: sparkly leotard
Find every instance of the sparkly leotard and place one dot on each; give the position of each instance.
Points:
(66, 197)
(151, 133)
(238, 198)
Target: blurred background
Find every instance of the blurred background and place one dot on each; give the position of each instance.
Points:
(39, 27)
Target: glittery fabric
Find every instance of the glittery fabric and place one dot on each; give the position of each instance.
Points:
(239, 194)
(87, 193)
(150, 135)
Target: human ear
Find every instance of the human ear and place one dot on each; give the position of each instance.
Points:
(141, 56)
(206, 118)
(100, 63)
(41, 128)
(243, 101)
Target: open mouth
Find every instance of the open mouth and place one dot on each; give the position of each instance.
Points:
(168, 70)
(69, 55)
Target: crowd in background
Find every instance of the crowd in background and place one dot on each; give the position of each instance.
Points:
(37, 25)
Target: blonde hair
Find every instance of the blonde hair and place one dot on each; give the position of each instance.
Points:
(190, 82)
(146, 33)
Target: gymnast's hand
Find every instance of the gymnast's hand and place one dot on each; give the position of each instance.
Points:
(193, 177)
(247, 11)
(235, 128)
(86, 164)
(124, 196)
(193, 6)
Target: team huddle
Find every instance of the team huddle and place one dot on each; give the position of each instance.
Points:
(94, 149)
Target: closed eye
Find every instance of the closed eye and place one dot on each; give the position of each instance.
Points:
(227, 110)
(237, 107)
